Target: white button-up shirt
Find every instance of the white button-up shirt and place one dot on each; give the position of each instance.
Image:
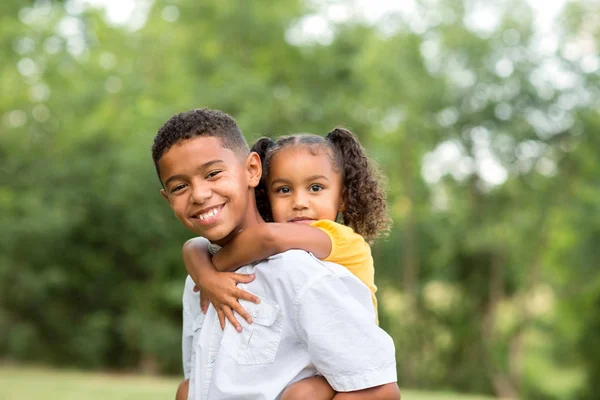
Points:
(314, 317)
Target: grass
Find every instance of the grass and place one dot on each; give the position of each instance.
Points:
(17, 383)
(37, 383)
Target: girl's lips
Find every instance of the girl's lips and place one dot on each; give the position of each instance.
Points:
(302, 220)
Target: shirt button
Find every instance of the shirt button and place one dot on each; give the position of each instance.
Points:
(211, 359)
(255, 314)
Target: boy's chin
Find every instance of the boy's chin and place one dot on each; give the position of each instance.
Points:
(213, 235)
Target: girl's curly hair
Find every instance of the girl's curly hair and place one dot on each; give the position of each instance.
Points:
(364, 192)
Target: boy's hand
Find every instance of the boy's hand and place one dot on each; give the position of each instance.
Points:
(221, 290)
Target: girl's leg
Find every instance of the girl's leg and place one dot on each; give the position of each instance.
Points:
(182, 390)
(315, 388)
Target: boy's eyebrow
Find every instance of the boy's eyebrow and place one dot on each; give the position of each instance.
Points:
(203, 166)
(173, 178)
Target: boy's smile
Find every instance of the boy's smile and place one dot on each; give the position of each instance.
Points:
(209, 187)
(208, 216)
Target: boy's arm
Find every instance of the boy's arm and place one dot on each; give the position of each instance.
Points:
(183, 390)
(268, 239)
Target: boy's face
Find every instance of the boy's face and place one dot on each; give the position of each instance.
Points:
(209, 186)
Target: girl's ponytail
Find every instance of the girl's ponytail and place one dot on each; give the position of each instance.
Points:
(350, 148)
(364, 196)
(261, 147)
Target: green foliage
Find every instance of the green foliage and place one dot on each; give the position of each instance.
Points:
(488, 282)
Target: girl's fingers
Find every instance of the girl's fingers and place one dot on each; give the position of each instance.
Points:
(244, 295)
(237, 307)
(231, 318)
(242, 278)
(221, 318)
(204, 302)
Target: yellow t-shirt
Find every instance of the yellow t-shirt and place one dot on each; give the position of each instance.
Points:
(350, 250)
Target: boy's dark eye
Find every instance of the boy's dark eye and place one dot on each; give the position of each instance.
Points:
(315, 188)
(284, 190)
(177, 188)
(212, 174)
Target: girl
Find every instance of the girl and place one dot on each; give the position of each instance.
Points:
(308, 183)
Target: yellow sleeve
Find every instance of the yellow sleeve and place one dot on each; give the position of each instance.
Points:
(350, 250)
(347, 247)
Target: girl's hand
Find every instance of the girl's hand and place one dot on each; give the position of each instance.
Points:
(204, 301)
(220, 289)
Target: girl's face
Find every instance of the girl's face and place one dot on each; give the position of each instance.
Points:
(303, 186)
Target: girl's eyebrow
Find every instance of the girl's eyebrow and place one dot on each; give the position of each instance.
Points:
(308, 179)
(278, 181)
(317, 177)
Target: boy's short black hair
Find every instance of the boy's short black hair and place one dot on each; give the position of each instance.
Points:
(198, 122)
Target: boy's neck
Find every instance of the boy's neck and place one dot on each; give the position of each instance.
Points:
(251, 219)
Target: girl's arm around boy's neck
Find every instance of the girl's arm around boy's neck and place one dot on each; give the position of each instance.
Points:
(264, 240)
(196, 257)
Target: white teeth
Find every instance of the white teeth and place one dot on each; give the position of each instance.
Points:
(208, 214)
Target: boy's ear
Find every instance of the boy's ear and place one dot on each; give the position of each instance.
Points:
(165, 195)
(253, 169)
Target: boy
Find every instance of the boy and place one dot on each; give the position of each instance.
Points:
(308, 316)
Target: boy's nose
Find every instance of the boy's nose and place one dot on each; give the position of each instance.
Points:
(200, 193)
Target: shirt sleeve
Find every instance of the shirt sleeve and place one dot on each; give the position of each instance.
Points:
(187, 336)
(351, 353)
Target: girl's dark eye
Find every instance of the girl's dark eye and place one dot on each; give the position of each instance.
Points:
(283, 190)
(315, 188)
(213, 174)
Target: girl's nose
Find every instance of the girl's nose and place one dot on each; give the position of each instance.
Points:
(300, 202)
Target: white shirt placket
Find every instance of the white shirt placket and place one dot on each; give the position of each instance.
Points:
(208, 359)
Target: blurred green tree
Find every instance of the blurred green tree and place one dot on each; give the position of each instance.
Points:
(487, 132)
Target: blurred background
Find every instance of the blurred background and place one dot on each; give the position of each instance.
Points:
(484, 115)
